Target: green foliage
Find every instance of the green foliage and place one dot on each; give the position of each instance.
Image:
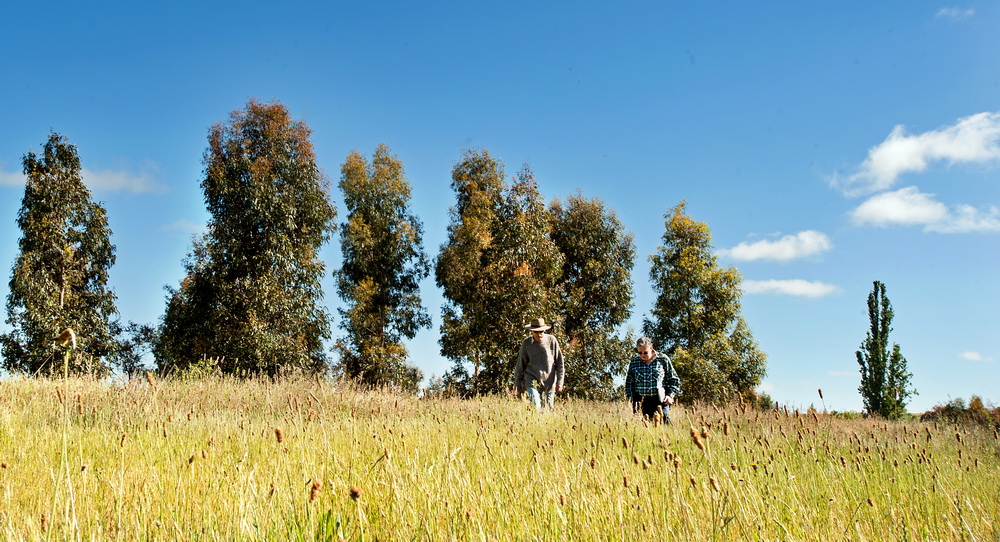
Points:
(885, 382)
(696, 317)
(595, 292)
(956, 411)
(497, 269)
(251, 296)
(60, 277)
(384, 262)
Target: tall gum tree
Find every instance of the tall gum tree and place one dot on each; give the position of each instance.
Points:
(497, 269)
(250, 301)
(383, 264)
(696, 316)
(595, 292)
(60, 277)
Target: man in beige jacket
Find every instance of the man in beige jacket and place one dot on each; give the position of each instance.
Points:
(539, 366)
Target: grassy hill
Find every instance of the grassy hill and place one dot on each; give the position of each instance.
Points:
(222, 459)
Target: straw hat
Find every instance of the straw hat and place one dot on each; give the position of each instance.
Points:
(538, 324)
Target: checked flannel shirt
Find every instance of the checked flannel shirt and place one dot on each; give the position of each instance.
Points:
(646, 378)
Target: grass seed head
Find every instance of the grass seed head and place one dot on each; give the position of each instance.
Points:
(279, 434)
(355, 493)
(314, 491)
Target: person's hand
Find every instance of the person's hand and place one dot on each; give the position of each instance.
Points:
(559, 389)
(668, 400)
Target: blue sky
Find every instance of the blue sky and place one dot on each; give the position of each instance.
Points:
(827, 145)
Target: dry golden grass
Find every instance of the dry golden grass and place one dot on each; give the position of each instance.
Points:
(223, 459)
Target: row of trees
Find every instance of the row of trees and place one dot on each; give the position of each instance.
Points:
(250, 300)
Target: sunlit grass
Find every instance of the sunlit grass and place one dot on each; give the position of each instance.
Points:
(222, 459)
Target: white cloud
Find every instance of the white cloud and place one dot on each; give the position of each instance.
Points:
(975, 356)
(955, 13)
(974, 139)
(10, 178)
(910, 207)
(789, 247)
(120, 181)
(795, 287)
(906, 206)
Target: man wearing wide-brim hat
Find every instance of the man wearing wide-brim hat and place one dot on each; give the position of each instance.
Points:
(539, 368)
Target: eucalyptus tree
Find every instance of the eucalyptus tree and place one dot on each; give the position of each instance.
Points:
(383, 264)
(497, 269)
(885, 379)
(60, 277)
(696, 316)
(250, 300)
(595, 292)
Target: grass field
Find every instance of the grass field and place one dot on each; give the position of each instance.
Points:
(300, 459)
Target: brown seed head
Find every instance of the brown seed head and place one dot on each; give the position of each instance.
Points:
(355, 492)
(67, 337)
(279, 434)
(314, 491)
(715, 484)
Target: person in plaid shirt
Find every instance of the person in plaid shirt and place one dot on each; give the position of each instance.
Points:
(651, 382)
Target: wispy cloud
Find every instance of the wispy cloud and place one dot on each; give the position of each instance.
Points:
(105, 180)
(184, 226)
(120, 181)
(955, 13)
(911, 207)
(971, 140)
(794, 287)
(789, 247)
(10, 178)
(766, 387)
(974, 356)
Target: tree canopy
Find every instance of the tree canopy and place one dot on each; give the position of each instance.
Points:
(60, 277)
(384, 262)
(595, 291)
(696, 317)
(885, 380)
(250, 300)
(497, 269)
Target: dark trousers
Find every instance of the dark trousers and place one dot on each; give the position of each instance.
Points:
(649, 405)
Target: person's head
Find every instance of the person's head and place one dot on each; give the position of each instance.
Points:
(644, 347)
(538, 327)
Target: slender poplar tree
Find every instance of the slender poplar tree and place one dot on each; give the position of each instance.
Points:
(885, 380)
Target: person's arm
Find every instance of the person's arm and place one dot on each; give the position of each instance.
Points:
(519, 371)
(629, 382)
(559, 367)
(671, 382)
